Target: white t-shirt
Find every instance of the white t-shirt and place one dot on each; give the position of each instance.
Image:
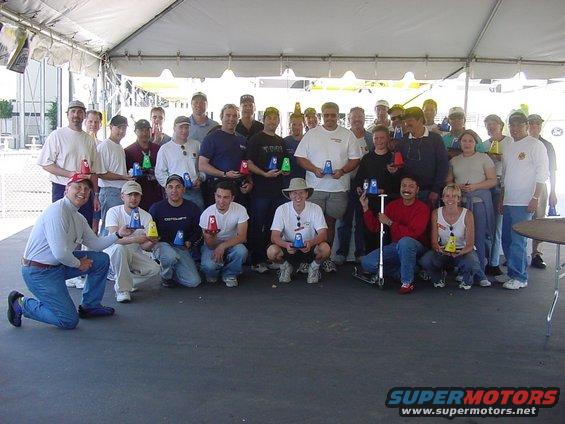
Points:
(66, 148)
(311, 221)
(319, 145)
(227, 222)
(118, 217)
(112, 159)
(524, 163)
(171, 160)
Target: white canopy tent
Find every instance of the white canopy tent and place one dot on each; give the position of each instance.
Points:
(375, 39)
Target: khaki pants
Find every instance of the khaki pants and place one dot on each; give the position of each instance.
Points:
(540, 213)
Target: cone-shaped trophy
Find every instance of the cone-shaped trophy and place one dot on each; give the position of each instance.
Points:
(328, 168)
(444, 126)
(85, 167)
(212, 225)
(187, 180)
(179, 238)
(495, 147)
(273, 163)
(398, 134)
(152, 230)
(373, 187)
(297, 110)
(398, 160)
(146, 163)
(136, 170)
(244, 167)
(450, 246)
(298, 241)
(135, 221)
(285, 167)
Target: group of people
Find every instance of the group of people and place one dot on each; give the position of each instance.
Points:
(198, 201)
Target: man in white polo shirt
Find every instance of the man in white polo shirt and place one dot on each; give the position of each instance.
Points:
(298, 233)
(525, 168)
(128, 262)
(113, 171)
(325, 146)
(180, 157)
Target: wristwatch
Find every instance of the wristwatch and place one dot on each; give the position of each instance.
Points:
(118, 235)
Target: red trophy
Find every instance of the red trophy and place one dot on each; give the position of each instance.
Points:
(398, 160)
(244, 168)
(85, 167)
(212, 225)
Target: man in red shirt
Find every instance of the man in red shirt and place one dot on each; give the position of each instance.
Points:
(408, 220)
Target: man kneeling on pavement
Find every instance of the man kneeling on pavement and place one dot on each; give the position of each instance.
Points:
(299, 233)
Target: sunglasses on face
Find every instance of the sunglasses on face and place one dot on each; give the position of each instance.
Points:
(396, 118)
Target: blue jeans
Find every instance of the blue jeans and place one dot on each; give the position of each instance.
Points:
(231, 267)
(435, 263)
(262, 210)
(513, 244)
(177, 264)
(354, 213)
(109, 197)
(399, 259)
(195, 196)
(495, 243)
(54, 304)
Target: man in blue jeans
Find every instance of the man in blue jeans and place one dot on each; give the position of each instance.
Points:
(49, 259)
(177, 223)
(525, 168)
(225, 230)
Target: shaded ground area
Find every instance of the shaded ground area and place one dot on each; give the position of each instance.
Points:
(286, 354)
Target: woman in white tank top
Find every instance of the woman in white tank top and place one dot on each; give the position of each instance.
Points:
(448, 221)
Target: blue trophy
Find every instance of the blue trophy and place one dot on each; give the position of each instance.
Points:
(328, 168)
(373, 187)
(136, 170)
(298, 242)
(135, 221)
(187, 180)
(273, 163)
(179, 238)
(444, 126)
(398, 133)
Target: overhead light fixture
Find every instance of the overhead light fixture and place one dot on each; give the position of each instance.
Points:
(228, 75)
(288, 73)
(349, 76)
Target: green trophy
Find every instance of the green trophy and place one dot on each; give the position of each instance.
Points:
(285, 165)
(146, 164)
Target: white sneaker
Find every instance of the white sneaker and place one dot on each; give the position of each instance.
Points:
(77, 282)
(285, 272)
(502, 278)
(230, 281)
(513, 284)
(123, 296)
(111, 276)
(328, 266)
(260, 268)
(465, 286)
(313, 274)
(303, 268)
(339, 260)
(485, 283)
(440, 284)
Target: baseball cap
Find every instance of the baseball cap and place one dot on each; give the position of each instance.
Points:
(271, 111)
(199, 94)
(494, 118)
(175, 177)
(413, 112)
(142, 124)
(382, 103)
(182, 120)
(119, 121)
(396, 107)
(76, 104)
(246, 98)
(77, 177)
(310, 111)
(131, 187)
(535, 118)
(456, 111)
(518, 116)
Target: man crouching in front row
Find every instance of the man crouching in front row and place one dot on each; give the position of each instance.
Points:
(298, 233)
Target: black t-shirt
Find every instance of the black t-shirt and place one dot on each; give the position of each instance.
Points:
(256, 127)
(169, 219)
(261, 148)
(373, 166)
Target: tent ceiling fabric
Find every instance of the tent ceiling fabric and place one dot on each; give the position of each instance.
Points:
(375, 39)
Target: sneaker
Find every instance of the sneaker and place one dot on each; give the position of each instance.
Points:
(99, 311)
(123, 296)
(339, 260)
(493, 270)
(485, 283)
(314, 274)
(260, 268)
(273, 265)
(77, 282)
(537, 262)
(459, 278)
(464, 286)
(230, 281)
(14, 308)
(285, 272)
(168, 283)
(513, 284)
(440, 284)
(111, 276)
(211, 280)
(502, 278)
(303, 268)
(406, 288)
(329, 266)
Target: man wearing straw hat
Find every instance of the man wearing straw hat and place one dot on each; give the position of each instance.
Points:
(299, 233)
